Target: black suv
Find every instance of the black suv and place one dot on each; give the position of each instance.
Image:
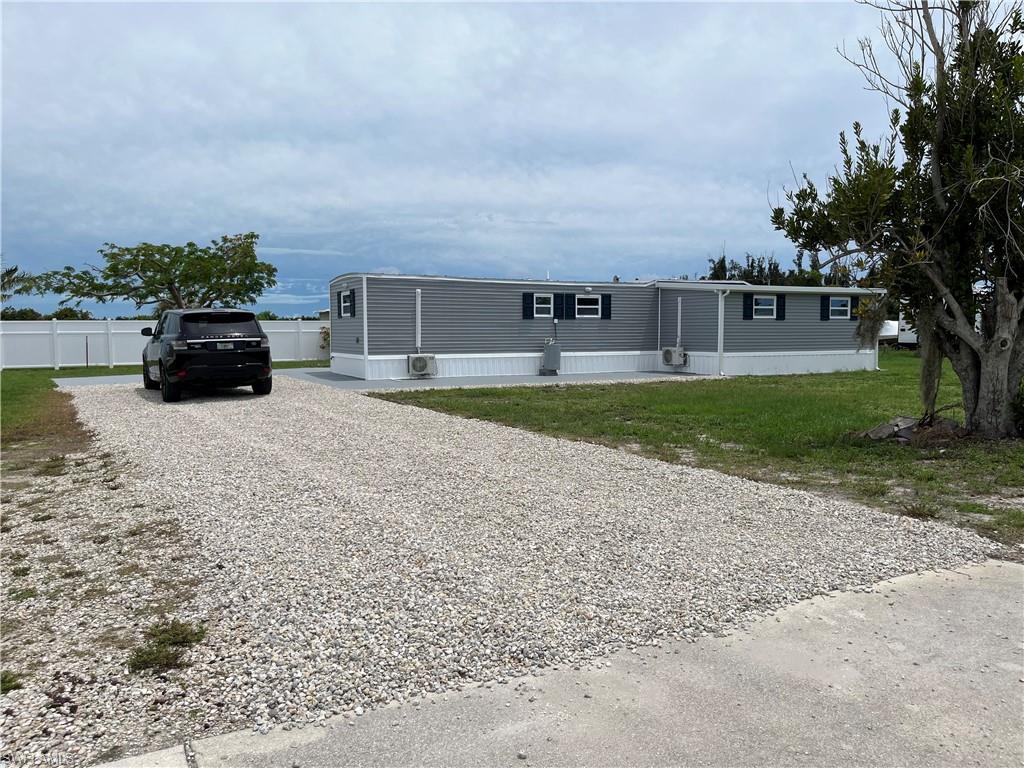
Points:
(206, 348)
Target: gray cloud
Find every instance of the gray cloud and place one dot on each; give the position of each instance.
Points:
(500, 140)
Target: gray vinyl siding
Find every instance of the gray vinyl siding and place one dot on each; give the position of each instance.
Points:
(347, 332)
(479, 317)
(802, 330)
(700, 320)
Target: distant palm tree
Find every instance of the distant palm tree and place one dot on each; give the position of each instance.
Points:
(13, 281)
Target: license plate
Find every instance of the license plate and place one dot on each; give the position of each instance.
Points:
(225, 345)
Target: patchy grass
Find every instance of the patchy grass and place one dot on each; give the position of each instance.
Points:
(24, 593)
(166, 643)
(20, 571)
(9, 681)
(794, 430)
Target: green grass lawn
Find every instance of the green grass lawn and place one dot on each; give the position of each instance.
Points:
(795, 430)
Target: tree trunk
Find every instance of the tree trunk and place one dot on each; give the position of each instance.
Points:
(992, 415)
(990, 373)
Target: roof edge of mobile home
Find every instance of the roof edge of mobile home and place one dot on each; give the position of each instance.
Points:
(686, 285)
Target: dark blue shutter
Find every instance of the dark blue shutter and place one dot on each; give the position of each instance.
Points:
(748, 306)
(527, 306)
(780, 306)
(352, 299)
(824, 307)
(559, 306)
(606, 306)
(854, 304)
(339, 303)
(570, 306)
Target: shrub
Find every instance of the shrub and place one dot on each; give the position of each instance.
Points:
(166, 643)
(9, 681)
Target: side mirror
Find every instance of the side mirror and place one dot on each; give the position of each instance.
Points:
(147, 331)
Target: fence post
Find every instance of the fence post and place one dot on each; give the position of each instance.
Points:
(110, 344)
(55, 344)
(298, 336)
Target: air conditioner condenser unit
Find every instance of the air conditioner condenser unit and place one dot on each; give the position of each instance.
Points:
(674, 356)
(422, 365)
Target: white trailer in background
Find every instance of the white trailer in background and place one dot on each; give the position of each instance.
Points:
(907, 335)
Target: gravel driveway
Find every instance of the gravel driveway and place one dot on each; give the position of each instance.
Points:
(351, 552)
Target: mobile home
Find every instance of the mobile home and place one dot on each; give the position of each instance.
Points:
(402, 326)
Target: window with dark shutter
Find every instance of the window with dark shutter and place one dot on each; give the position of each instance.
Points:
(854, 304)
(606, 306)
(839, 308)
(339, 303)
(559, 306)
(352, 301)
(748, 306)
(780, 306)
(824, 308)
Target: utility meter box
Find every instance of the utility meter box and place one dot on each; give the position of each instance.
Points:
(552, 358)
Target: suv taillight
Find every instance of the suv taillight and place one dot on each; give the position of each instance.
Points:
(179, 345)
(264, 343)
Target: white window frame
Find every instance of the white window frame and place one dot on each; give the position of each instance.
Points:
(346, 304)
(589, 296)
(550, 306)
(845, 310)
(774, 307)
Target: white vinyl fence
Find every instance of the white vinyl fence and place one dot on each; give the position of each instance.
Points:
(106, 343)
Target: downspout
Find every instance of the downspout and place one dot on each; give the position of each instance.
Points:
(419, 320)
(659, 321)
(721, 331)
(679, 322)
(366, 340)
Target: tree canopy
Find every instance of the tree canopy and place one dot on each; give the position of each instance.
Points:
(934, 212)
(224, 273)
(766, 270)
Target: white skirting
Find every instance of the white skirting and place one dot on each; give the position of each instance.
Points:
(510, 364)
(773, 363)
(348, 365)
(378, 367)
(778, 363)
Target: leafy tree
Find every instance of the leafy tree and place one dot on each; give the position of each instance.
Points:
(266, 314)
(225, 273)
(20, 313)
(13, 281)
(763, 270)
(70, 313)
(934, 212)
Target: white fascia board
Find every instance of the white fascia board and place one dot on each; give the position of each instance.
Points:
(768, 289)
(500, 281)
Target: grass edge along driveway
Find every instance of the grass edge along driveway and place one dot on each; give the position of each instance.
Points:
(791, 430)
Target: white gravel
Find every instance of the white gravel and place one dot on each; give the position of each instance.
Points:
(351, 552)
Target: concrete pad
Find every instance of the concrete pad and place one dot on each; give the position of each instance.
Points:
(322, 376)
(71, 382)
(326, 377)
(923, 670)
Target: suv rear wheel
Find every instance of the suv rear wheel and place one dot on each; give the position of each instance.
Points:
(147, 382)
(170, 392)
(263, 386)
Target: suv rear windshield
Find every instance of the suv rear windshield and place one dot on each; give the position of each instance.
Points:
(198, 324)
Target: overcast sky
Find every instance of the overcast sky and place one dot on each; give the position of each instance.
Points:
(494, 140)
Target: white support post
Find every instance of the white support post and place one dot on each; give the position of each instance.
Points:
(659, 319)
(419, 320)
(298, 337)
(54, 345)
(721, 332)
(679, 322)
(110, 344)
